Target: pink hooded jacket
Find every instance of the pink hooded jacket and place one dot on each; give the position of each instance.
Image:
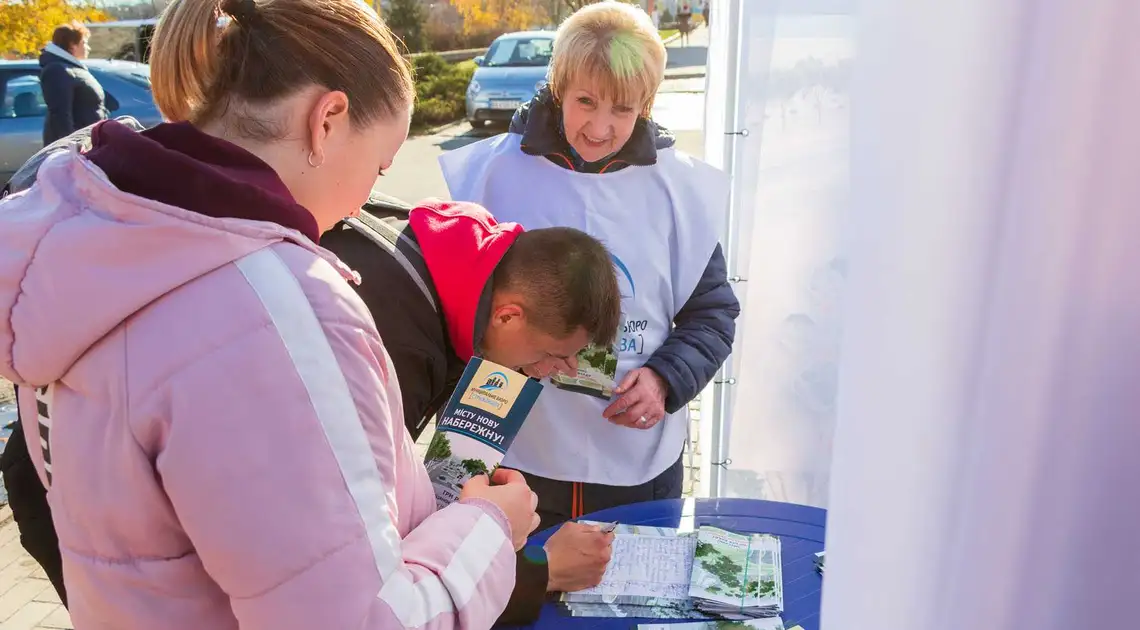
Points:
(220, 427)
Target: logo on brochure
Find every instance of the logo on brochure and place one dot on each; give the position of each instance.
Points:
(497, 392)
(626, 287)
(495, 380)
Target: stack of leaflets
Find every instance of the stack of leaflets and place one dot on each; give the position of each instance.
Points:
(477, 426)
(737, 576)
(647, 578)
(710, 574)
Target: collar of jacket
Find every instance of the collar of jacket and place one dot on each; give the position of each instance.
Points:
(540, 125)
(64, 55)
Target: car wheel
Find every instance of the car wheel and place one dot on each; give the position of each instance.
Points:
(5, 192)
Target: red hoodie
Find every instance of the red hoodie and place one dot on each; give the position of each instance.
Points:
(462, 244)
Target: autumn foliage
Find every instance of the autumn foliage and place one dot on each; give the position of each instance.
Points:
(499, 15)
(26, 25)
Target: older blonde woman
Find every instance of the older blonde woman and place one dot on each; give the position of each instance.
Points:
(585, 154)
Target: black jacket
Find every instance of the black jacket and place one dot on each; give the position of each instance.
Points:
(74, 98)
(705, 327)
(399, 292)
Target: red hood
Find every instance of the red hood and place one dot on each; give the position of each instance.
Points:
(462, 244)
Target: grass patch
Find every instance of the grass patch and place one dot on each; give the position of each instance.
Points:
(666, 33)
(441, 91)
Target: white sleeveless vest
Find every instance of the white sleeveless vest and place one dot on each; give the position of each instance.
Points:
(661, 223)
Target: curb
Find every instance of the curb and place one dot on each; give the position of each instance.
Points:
(686, 74)
(672, 38)
(431, 131)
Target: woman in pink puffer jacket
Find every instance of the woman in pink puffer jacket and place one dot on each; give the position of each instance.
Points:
(218, 424)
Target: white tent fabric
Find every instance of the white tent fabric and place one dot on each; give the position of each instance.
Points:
(786, 88)
(987, 454)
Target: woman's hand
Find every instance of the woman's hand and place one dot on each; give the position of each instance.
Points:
(513, 496)
(641, 403)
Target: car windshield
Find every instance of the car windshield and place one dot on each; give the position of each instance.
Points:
(519, 51)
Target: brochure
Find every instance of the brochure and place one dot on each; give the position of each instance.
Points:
(737, 575)
(597, 368)
(477, 426)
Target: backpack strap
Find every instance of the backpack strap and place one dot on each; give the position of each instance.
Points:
(401, 246)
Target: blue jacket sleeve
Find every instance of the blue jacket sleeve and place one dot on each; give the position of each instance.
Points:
(703, 332)
(59, 90)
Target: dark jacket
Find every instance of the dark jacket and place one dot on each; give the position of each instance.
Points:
(705, 327)
(430, 301)
(74, 98)
(430, 324)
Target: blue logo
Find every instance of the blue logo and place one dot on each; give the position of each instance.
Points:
(495, 380)
(627, 288)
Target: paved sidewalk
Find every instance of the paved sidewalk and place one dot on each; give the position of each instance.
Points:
(27, 599)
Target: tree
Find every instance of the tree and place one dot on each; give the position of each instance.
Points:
(475, 467)
(407, 19)
(439, 448)
(574, 5)
(571, 6)
(480, 16)
(26, 25)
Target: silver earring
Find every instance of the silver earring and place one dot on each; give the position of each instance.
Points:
(311, 161)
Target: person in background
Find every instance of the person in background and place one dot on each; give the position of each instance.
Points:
(708, 13)
(220, 433)
(685, 22)
(73, 96)
(586, 140)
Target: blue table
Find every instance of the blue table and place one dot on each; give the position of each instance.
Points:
(801, 532)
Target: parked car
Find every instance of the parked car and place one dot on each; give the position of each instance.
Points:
(22, 108)
(510, 74)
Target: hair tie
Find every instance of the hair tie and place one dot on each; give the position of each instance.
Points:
(243, 12)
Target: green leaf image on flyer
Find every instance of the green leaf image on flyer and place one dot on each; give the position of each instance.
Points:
(439, 448)
(597, 367)
(736, 574)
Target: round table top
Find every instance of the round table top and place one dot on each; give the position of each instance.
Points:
(800, 528)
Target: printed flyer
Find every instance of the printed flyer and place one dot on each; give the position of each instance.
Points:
(477, 426)
(597, 367)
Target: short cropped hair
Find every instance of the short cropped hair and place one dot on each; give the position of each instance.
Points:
(613, 45)
(69, 35)
(567, 281)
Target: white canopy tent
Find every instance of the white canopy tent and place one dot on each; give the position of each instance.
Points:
(777, 118)
(985, 431)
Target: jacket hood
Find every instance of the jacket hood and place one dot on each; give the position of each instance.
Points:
(81, 255)
(462, 244)
(539, 122)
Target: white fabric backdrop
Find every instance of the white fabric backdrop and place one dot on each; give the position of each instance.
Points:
(987, 457)
(791, 195)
